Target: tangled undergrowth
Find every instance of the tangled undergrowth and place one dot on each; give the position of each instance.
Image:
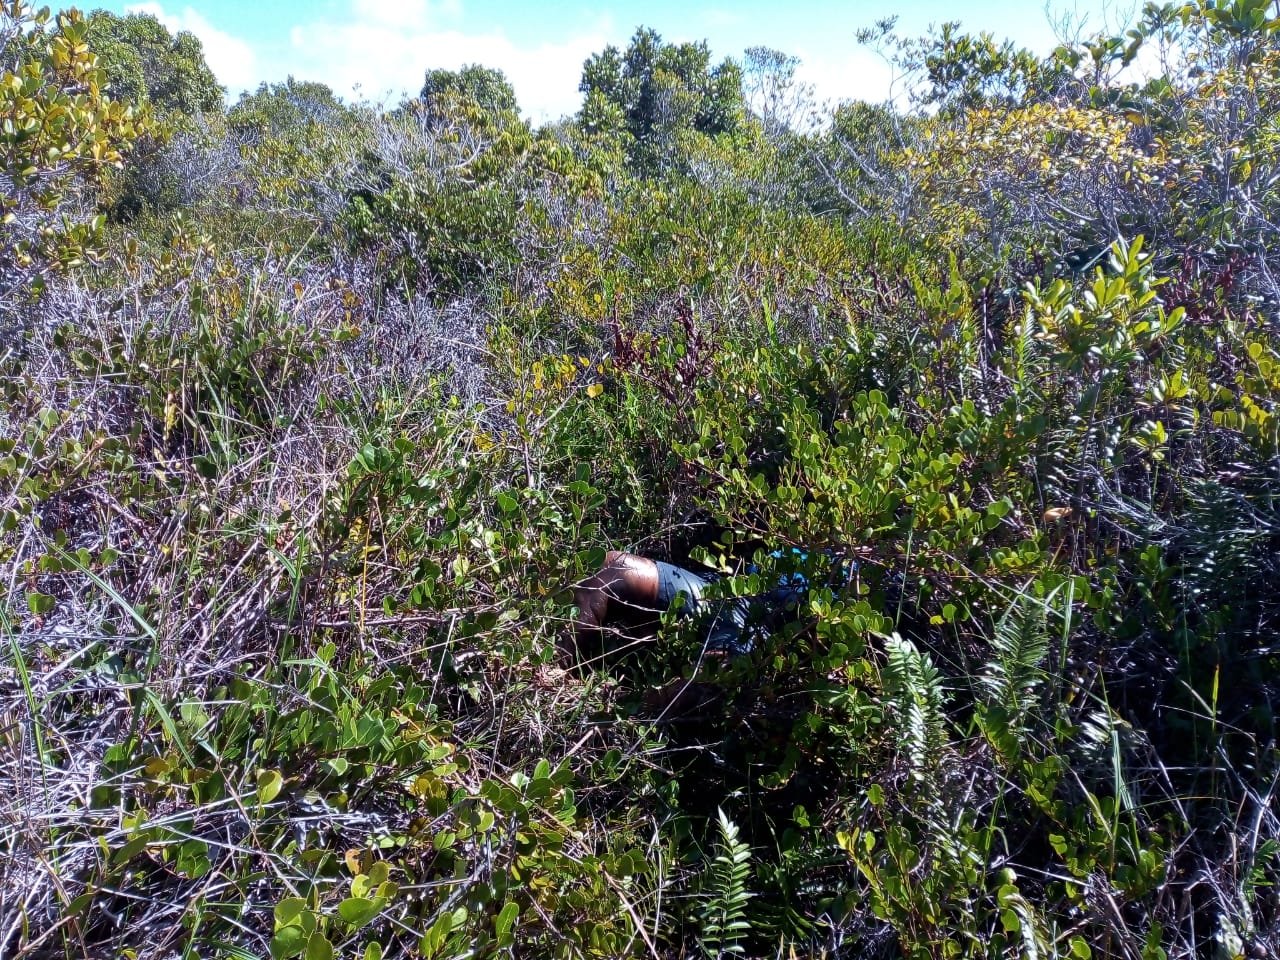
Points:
(297, 469)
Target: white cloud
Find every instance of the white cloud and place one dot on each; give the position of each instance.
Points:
(385, 59)
(231, 59)
(403, 15)
(383, 48)
(859, 75)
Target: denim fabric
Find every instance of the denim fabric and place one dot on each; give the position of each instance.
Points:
(726, 619)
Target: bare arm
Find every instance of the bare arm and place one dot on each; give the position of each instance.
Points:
(626, 578)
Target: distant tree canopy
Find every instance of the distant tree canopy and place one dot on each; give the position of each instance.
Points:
(62, 133)
(655, 90)
(278, 108)
(966, 71)
(486, 87)
(143, 61)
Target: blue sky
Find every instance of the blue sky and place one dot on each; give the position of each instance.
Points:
(381, 48)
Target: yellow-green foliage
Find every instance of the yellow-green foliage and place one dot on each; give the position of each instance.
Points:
(59, 132)
(991, 169)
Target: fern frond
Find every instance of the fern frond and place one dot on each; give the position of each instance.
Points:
(724, 916)
(1020, 644)
(1033, 936)
(917, 698)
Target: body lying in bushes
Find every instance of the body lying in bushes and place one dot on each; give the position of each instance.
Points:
(630, 592)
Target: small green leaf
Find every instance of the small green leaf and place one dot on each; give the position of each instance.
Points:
(269, 784)
(503, 923)
(433, 940)
(358, 911)
(288, 942)
(369, 730)
(319, 947)
(288, 911)
(80, 904)
(193, 859)
(131, 849)
(40, 603)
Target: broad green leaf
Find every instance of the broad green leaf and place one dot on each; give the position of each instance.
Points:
(288, 942)
(358, 911)
(270, 783)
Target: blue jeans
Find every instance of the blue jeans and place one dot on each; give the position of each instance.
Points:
(726, 619)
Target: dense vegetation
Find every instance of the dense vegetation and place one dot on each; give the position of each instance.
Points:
(313, 411)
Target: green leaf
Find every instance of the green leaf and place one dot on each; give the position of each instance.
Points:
(80, 904)
(193, 859)
(131, 849)
(288, 911)
(504, 922)
(40, 603)
(319, 947)
(270, 783)
(434, 939)
(358, 911)
(288, 942)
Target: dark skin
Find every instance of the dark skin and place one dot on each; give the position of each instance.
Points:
(625, 590)
(625, 581)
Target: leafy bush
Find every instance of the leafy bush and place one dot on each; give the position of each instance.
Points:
(60, 134)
